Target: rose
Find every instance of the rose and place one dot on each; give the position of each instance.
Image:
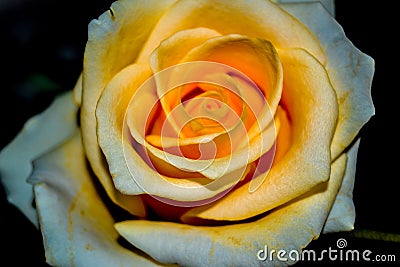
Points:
(70, 208)
(317, 113)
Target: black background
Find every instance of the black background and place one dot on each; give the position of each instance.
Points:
(42, 44)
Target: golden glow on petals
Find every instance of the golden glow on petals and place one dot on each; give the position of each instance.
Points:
(310, 102)
(131, 173)
(256, 58)
(269, 74)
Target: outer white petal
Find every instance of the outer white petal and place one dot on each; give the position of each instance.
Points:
(328, 4)
(40, 133)
(350, 72)
(76, 225)
(342, 214)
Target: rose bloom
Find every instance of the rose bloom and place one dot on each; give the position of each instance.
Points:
(206, 131)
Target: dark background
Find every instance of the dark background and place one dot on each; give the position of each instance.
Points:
(41, 52)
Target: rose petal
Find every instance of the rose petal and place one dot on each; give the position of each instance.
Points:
(311, 105)
(167, 55)
(40, 133)
(261, 19)
(217, 168)
(110, 113)
(342, 215)
(267, 74)
(78, 91)
(77, 228)
(258, 60)
(111, 46)
(328, 4)
(290, 227)
(350, 72)
(172, 50)
(130, 172)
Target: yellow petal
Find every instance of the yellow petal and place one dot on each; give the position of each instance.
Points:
(112, 45)
(39, 134)
(171, 51)
(290, 227)
(284, 138)
(311, 105)
(262, 19)
(131, 173)
(78, 91)
(349, 70)
(76, 225)
(110, 113)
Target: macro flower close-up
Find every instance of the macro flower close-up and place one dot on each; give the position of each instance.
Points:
(195, 133)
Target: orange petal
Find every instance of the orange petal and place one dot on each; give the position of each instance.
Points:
(131, 173)
(311, 103)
